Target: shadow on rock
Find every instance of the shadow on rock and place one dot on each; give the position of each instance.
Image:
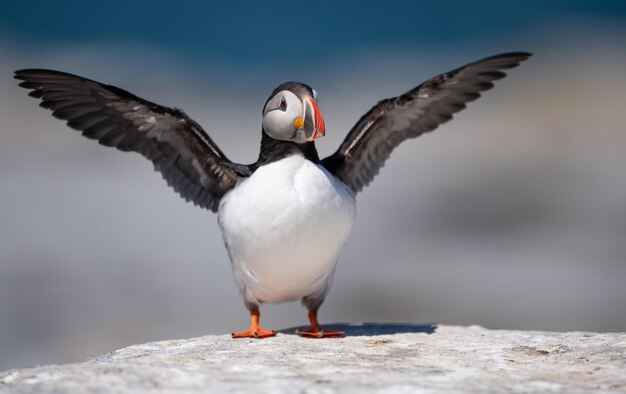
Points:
(372, 329)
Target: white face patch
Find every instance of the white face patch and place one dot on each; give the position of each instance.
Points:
(279, 116)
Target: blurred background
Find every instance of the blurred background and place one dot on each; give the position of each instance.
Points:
(512, 216)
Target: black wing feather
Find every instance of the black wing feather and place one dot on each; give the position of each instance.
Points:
(185, 155)
(370, 142)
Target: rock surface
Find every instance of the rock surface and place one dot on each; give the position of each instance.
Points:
(371, 358)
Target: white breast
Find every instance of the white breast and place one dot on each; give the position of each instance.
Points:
(284, 228)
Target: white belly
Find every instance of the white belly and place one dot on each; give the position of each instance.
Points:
(284, 228)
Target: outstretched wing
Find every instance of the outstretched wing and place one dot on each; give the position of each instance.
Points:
(187, 158)
(418, 111)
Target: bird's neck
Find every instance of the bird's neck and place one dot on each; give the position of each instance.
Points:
(274, 150)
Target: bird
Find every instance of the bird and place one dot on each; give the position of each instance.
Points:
(286, 217)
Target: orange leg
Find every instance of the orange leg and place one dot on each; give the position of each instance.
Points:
(316, 331)
(255, 330)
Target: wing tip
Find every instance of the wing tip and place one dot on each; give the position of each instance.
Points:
(21, 73)
(25, 73)
(519, 55)
(40, 75)
(513, 59)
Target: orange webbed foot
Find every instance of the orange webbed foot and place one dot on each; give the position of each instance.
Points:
(316, 331)
(254, 333)
(320, 333)
(255, 330)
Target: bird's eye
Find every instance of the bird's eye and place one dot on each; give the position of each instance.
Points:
(283, 104)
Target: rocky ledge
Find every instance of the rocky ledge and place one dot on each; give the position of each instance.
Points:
(371, 358)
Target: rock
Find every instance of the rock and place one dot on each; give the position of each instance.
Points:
(372, 358)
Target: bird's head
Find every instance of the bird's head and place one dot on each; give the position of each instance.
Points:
(291, 114)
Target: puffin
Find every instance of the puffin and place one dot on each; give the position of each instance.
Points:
(286, 217)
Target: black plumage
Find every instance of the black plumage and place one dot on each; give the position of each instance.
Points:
(420, 110)
(197, 169)
(185, 155)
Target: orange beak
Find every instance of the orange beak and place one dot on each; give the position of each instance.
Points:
(314, 126)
